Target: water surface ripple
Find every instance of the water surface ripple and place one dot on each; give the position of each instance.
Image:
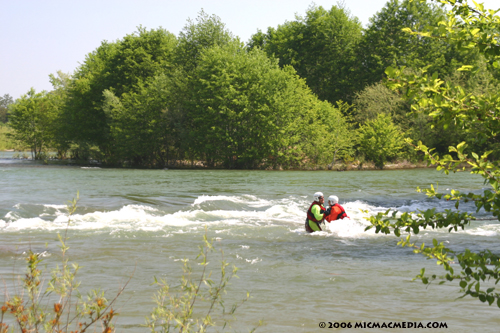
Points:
(145, 221)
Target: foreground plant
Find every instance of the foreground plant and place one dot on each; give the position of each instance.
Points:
(477, 273)
(191, 306)
(59, 307)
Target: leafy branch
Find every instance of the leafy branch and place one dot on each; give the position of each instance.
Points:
(182, 311)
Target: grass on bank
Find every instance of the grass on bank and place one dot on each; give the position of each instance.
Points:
(6, 143)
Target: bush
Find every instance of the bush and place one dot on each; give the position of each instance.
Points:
(176, 310)
(5, 141)
(380, 140)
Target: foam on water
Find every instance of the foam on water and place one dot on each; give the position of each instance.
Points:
(354, 226)
(141, 217)
(22, 224)
(492, 230)
(130, 217)
(250, 211)
(58, 207)
(249, 200)
(416, 205)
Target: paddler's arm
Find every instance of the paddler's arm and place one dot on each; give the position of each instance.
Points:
(317, 212)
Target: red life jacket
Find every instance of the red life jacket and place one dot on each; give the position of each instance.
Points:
(310, 215)
(334, 215)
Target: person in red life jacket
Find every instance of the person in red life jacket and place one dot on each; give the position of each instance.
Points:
(335, 211)
(315, 213)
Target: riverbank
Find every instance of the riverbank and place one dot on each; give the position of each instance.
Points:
(371, 166)
(13, 155)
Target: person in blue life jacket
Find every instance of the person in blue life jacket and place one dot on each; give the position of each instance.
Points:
(316, 213)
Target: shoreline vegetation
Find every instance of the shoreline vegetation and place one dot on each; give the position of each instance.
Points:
(196, 165)
(6, 144)
(309, 93)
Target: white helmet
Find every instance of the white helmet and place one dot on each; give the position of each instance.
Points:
(317, 195)
(333, 199)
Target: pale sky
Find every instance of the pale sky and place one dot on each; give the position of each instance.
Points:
(40, 37)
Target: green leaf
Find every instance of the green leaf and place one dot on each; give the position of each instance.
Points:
(389, 71)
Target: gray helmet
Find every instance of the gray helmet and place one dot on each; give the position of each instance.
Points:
(317, 195)
(333, 199)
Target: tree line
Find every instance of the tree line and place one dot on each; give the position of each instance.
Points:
(308, 92)
(465, 102)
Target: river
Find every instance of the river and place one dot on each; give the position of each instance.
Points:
(143, 222)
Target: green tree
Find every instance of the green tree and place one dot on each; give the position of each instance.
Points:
(120, 67)
(5, 101)
(60, 141)
(384, 42)
(377, 99)
(151, 98)
(380, 140)
(129, 97)
(245, 109)
(143, 123)
(321, 47)
(199, 35)
(339, 138)
(205, 32)
(32, 117)
(477, 272)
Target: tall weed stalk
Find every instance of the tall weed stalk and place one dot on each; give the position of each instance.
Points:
(59, 307)
(192, 306)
